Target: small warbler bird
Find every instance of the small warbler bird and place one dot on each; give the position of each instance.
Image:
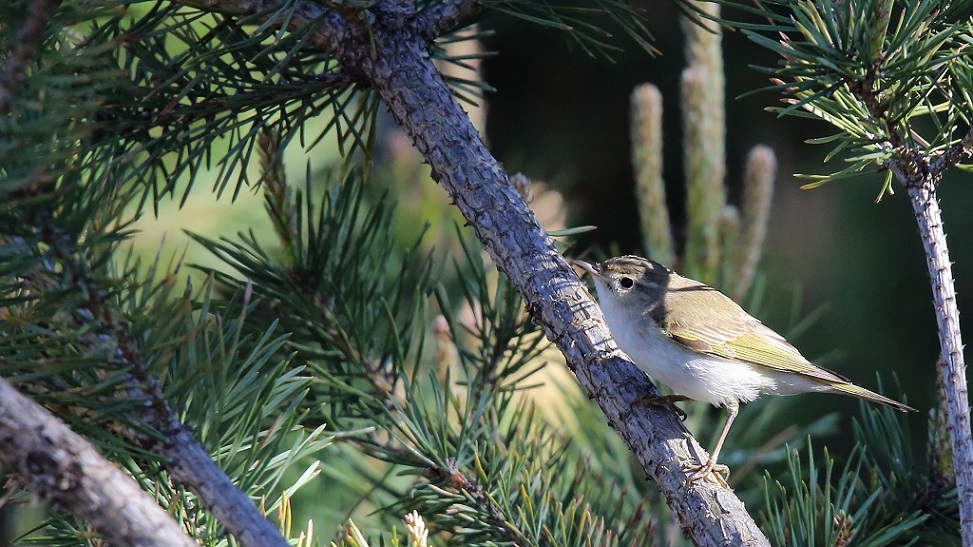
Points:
(702, 345)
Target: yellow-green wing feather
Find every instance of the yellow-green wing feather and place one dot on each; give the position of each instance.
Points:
(736, 336)
(740, 336)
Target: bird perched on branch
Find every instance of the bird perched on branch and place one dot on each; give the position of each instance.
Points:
(702, 345)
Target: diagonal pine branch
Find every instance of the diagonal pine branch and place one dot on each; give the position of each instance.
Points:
(960, 151)
(62, 466)
(57, 463)
(424, 106)
(392, 57)
(332, 31)
(185, 458)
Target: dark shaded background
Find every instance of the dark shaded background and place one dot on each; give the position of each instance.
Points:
(562, 117)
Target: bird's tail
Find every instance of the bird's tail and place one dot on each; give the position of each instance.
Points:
(862, 393)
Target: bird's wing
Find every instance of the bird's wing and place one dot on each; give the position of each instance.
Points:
(743, 338)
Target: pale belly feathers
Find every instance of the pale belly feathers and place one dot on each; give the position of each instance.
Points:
(700, 377)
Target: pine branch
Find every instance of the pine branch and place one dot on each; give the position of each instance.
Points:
(331, 30)
(956, 153)
(187, 461)
(877, 83)
(575, 21)
(455, 481)
(925, 204)
(394, 60)
(881, 497)
(920, 172)
(55, 462)
(446, 16)
(477, 459)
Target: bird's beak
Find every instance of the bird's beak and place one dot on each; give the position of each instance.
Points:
(585, 267)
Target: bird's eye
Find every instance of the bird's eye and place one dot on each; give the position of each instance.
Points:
(626, 282)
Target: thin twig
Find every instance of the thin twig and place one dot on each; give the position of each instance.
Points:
(864, 88)
(960, 151)
(331, 29)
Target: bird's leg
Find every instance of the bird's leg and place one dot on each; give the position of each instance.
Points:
(666, 401)
(711, 467)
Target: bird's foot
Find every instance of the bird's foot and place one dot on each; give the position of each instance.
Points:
(710, 470)
(666, 401)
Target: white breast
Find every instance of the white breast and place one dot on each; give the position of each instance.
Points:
(700, 377)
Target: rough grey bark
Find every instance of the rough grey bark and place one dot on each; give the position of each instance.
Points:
(387, 48)
(51, 460)
(190, 464)
(925, 204)
(920, 174)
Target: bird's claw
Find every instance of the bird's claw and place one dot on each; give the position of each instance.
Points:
(718, 472)
(665, 401)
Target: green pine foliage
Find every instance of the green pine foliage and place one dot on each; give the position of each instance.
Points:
(480, 460)
(893, 78)
(882, 495)
(216, 83)
(308, 369)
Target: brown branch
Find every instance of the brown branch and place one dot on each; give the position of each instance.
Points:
(57, 463)
(454, 480)
(331, 32)
(864, 88)
(30, 35)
